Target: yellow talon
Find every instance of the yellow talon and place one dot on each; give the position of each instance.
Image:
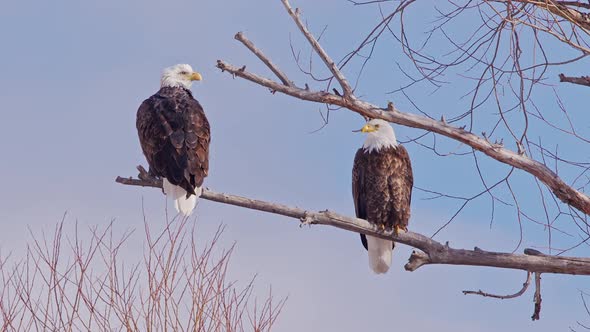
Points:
(382, 226)
(400, 229)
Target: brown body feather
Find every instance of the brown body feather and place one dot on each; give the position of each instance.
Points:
(382, 187)
(174, 135)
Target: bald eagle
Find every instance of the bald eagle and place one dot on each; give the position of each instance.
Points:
(174, 136)
(382, 189)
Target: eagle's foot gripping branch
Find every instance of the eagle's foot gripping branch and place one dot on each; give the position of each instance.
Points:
(306, 220)
(400, 229)
(146, 175)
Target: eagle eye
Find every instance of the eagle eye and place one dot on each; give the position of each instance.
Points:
(376, 126)
(183, 72)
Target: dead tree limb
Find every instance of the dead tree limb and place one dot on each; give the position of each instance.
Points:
(537, 299)
(525, 286)
(432, 252)
(320, 51)
(284, 79)
(560, 189)
(561, 9)
(583, 80)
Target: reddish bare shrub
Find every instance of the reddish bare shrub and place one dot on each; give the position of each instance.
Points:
(67, 282)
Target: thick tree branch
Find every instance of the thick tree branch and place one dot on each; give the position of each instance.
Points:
(432, 252)
(583, 80)
(562, 190)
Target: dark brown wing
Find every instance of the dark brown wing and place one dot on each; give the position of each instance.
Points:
(401, 181)
(382, 187)
(174, 134)
(358, 196)
(151, 135)
(358, 185)
(197, 139)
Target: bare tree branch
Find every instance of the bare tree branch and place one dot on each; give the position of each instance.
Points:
(319, 50)
(583, 80)
(240, 37)
(432, 252)
(525, 286)
(558, 187)
(560, 8)
(537, 298)
(561, 189)
(79, 281)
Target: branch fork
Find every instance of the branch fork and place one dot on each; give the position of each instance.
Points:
(427, 250)
(430, 251)
(518, 159)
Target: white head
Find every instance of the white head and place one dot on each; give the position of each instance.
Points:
(181, 75)
(379, 135)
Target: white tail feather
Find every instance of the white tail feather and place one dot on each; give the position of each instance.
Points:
(380, 251)
(178, 194)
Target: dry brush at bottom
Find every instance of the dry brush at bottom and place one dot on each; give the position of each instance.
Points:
(66, 282)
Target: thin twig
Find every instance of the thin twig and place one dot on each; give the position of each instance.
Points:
(319, 50)
(537, 299)
(240, 37)
(525, 285)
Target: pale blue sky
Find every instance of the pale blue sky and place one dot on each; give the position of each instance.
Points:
(73, 74)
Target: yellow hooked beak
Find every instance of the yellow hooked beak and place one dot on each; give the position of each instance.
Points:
(196, 77)
(367, 129)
